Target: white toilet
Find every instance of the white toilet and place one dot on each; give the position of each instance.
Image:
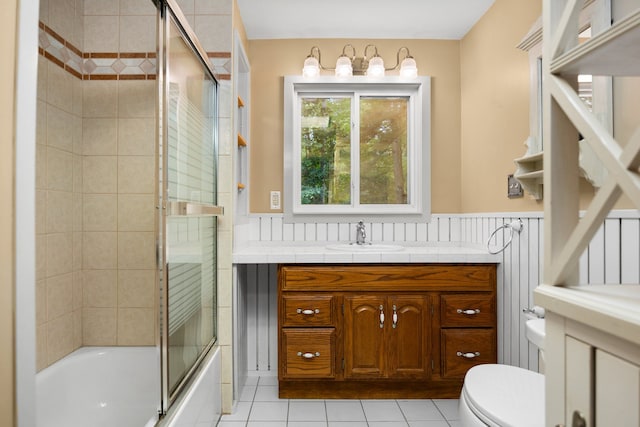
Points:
(502, 395)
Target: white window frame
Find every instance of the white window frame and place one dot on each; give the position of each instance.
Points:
(418, 92)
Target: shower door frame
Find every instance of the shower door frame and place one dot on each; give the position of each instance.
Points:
(167, 10)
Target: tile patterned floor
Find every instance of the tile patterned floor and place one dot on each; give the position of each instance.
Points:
(259, 406)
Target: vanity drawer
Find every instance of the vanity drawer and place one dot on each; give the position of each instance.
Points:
(467, 310)
(307, 310)
(465, 348)
(308, 353)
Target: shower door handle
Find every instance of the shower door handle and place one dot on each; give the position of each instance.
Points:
(193, 209)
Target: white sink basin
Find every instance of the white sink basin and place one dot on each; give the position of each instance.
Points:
(352, 247)
(536, 332)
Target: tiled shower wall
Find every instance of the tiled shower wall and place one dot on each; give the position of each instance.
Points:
(612, 257)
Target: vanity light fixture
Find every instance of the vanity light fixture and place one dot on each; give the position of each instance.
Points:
(347, 66)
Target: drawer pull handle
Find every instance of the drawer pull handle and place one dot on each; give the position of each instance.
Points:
(308, 312)
(395, 317)
(468, 312)
(381, 317)
(309, 355)
(468, 355)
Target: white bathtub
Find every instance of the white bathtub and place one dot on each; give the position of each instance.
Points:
(100, 387)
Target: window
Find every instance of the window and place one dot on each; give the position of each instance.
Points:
(357, 148)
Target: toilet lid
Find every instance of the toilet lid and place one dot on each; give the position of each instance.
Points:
(505, 395)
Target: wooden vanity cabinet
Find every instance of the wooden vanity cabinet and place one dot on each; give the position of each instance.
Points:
(383, 330)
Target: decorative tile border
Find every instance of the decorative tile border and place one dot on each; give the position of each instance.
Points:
(112, 65)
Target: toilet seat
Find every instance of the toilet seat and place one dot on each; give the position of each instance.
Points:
(505, 396)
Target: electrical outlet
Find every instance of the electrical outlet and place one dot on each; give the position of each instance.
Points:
(514, 188)
(275, 200)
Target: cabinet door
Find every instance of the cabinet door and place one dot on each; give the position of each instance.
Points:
(408, 343)
(364, 323)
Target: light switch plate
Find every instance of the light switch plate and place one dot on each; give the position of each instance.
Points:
(514, 188)
(274, 200)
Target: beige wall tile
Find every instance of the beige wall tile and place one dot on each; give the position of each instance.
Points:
(59, 337)
(41, 166)
(41, 211)
(214, 32)
(137, 288)
(224, 325)
(214, 7)
(101, 7)
(59, 296)
(137, 98)
(100, 288)
(41, 347)
(42, 77)
(100, 212)
(77, 289)
(225, 286)
(136, 326)
(137, 7)
(99, 326)
(60, 14)
(77, 173)
(100, 136)
(59, 129)
(137, 137)
(136, 174)
(59, 87)
(187, 6)
(41, 123)
(100, 174)
(100, 98)
(138, 33)
(41, 256)
(77, 211)
(76, 262)
(226, 354)
(59, 170)
(102, 33)
(78, 88)
(77, 328)
(59, 212)
(225, 145)
(41, 302)
(59, 253)
(225, 222)
(136, 212)
(136, 250)
(100, 250)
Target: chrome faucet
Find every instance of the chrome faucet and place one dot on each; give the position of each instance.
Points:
(361, 233)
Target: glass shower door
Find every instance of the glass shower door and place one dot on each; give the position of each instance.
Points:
(188, 191)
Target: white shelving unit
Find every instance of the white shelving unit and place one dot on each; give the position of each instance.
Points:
(241, 129)
(593, 332)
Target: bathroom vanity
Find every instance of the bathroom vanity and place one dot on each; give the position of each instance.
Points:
(383, 330)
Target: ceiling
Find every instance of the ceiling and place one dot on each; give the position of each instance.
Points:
(361, 19)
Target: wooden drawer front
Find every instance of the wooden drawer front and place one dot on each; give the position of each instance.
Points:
(308, 353)
(478, 344)
(370, 277)
(467, 310)
(307, 310)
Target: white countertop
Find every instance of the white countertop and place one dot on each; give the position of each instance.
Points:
(318, 253)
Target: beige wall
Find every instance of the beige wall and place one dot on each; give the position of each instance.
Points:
(495, 106)
(8, 19)
(272, 59)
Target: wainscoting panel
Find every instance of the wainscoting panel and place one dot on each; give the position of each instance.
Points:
(612, 257)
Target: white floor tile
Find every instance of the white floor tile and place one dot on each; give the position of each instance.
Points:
(448, 407)
(307, 411)
(345, 410)
(269, 411)
(241, 412)
(267, 393)
(267, 424)
(247, 394)
(388, 424)
(268, 381)
(418, 410)
(306, 424)
(347, 424)
(429, 423)
(232, 424)
(252, 381)
(382, 410)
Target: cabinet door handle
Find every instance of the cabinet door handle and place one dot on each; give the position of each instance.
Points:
(381, 317)
(308, 311)
(309, 355)
(468, 355)
(395, 317)
(469, 311)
